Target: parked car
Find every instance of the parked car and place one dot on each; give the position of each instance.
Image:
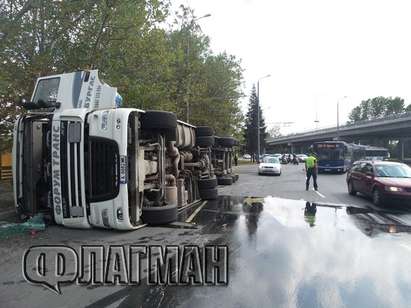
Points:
(382, 180)
(301, 157)
(270, 165)
(247, 156)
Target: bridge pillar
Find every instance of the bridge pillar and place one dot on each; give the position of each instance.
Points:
(404, 152)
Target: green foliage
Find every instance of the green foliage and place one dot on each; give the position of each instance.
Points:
(152, 67)
(378, 107)
(251, 127)
(274, 132)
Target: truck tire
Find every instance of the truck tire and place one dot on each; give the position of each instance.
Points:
(159, 215)
(209, 194)
(225, 180)
(205, 141)
(207, 183)
(204, 131)
(163, 121)
(226, 142)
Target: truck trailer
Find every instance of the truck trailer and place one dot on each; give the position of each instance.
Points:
(222, 158)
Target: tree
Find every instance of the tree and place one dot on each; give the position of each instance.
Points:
(46, 37)
(152, 67)
(275, 131)
(251, 129)
(377, 107)
(210, 84)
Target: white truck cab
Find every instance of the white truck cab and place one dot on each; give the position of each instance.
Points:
(72, 160)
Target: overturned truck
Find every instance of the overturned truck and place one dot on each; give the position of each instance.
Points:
(85, 162)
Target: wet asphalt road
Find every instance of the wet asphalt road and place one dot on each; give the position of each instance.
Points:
(291, 185)
(280, 254)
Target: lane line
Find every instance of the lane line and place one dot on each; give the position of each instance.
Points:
(189, 219)
(318, 193)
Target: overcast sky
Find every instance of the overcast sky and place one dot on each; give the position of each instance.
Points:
(317, 52)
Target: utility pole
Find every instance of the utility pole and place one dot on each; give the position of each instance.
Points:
(258, 116)
(338, 117)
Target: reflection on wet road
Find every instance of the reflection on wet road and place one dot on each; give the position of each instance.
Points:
(286, 253)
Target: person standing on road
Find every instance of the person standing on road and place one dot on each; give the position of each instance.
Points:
(235, 159)
(311, 169)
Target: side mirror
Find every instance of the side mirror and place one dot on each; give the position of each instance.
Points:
(22, 102)
(40, 104)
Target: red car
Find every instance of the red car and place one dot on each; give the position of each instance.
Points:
(381, 180)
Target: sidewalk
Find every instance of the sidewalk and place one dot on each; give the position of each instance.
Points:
(7, 209)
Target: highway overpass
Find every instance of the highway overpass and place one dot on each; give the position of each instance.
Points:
(395, 129)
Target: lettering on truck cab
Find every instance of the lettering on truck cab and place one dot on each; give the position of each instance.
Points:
(57, 201)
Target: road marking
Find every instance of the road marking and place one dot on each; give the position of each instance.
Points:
(189, 219)
(318, 193)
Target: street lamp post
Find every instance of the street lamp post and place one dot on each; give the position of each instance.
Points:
(338, 117)
(258, 116)
(188, 81)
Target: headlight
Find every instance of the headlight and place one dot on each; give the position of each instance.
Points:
(104, 120)
(393, 188)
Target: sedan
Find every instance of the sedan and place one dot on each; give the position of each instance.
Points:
(301, 157)
(270, 165)
(383, 181)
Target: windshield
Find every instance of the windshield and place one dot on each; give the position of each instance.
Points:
(47, 90)
(329, 151)
(271, 160)
(330, 154)
(393, 171)
(376, 153)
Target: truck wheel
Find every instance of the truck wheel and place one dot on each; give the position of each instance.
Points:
(225, 180)
(209, 194)
(159, 215)
(204, 131)
(160, 120)
(205, 141)
(226, 142)
(207, 183)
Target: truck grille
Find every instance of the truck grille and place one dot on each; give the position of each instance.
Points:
(103, 169)
(72, 199)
